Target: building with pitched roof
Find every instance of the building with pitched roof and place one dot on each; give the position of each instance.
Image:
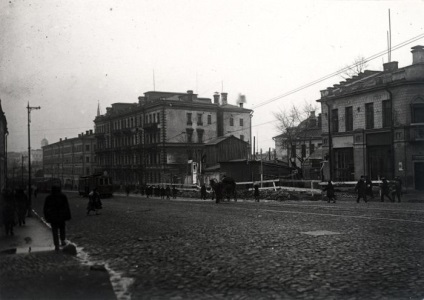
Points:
(300, 147)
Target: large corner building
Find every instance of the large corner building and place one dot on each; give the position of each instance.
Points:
(161, 137)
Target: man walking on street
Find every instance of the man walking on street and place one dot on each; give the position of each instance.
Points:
(57, 212)
(385, 190)
(361, 188)
(398, 189)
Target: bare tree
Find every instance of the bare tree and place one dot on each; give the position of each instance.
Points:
(292, 125)
(359, 65)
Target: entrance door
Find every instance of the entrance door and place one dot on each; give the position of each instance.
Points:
(419, 176)
(380, 162)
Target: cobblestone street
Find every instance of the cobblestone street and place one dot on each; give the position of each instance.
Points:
(188, 249)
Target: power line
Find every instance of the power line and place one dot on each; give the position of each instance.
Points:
(372, 57)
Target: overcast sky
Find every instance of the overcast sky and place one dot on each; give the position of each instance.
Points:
(66, 56)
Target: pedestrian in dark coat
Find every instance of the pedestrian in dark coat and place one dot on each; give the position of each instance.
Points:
(330, 192)
(94, 202)
(21, 201)
(203, 192)
(398, 188)
(369, 187)
(174, 192)
(57, 212)
(256, 192)
(361, 188)
(168, 192)
(385, 190)
(8, 211)
(162, 192)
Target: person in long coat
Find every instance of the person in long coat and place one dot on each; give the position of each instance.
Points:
(256, 192)
(330, 192)
(8, 211)
(361, 188)
(385, 191)
(21, 201)
(369, 187)
(94, 202)
(203, 192)
(57, 212)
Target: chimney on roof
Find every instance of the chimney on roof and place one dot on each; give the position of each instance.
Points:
(224, 98)
(141, 100)
(241, 104)
(417, 54)
(91, 131)
(216, 98)
(87, 132)
(190, 96)
(390, 66)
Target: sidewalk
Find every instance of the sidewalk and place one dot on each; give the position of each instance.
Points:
(31, 269)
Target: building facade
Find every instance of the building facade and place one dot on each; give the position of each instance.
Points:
(153, 140)
(373, 124)
(71, 158)
(298, 146)
(3, 148)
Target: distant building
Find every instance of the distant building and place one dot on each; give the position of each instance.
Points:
(44, 142)
(373, 124)
(300, 147)
(3, 148)
(71, 158)
(156, 139)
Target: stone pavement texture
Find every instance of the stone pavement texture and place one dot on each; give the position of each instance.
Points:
(31, 269)
(193, 249)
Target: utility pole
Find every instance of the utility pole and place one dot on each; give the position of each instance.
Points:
(29, 108)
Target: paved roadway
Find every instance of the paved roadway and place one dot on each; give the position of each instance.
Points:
(176, 249)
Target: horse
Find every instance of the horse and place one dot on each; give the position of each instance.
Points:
(225, 188)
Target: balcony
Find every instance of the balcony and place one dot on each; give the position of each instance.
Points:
(416, 133)
(151, 126)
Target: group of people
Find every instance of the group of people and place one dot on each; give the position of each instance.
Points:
(159, 191)
(364, 189)
(391, 190)
(14, 209)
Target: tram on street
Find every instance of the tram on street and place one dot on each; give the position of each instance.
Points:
(103, 183)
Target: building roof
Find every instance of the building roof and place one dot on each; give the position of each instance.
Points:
(221, 139)
(368, 79)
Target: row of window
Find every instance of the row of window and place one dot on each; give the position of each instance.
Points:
(199, 119)
(209, 119)
(67, 149)
(369, 116)
(302, 150)
(135, 159)
(129, 122)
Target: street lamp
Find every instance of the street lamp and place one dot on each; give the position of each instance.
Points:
(29, 108)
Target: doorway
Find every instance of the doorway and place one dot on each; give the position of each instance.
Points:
(419, 176)
(380, 162)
